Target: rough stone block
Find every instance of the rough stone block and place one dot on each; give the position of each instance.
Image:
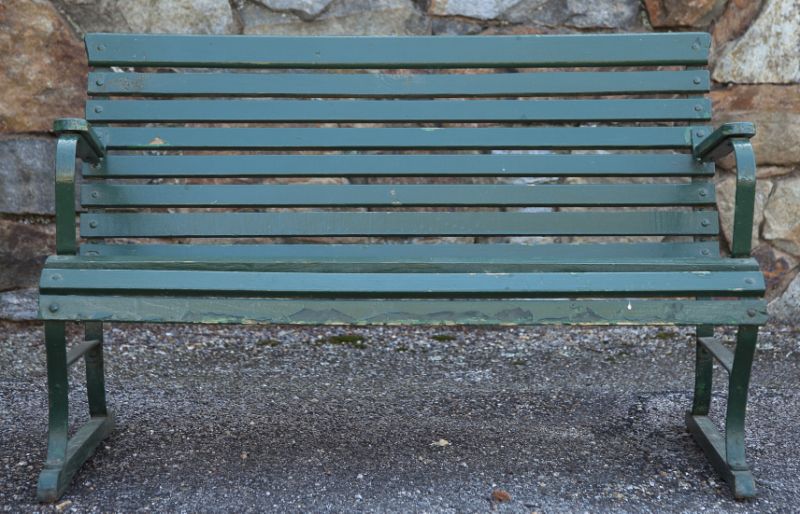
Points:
(26, 176)
(23, 250)
(43, 67)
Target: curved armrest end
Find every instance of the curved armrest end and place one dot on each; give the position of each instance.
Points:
(91, 148)
(712, 146)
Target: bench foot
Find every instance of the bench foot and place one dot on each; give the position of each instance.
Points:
(711, 441)
(55, 477)
(65, 454)
(726, 452)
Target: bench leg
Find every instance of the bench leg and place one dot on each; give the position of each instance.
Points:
(65, 454)
(726, 452)
(703, 373)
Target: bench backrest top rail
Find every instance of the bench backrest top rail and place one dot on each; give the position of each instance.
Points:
(686, 48)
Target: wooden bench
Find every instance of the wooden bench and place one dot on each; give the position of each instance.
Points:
(192, 155)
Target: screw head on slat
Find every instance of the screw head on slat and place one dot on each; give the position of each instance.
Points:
(55, 276)
(702, 192)
(751, 313)
(749, 281)
(95, 194)
(696, 80)
(705, 251)
(700, 133)
(100, 82)
(705, 222)
(93, 224)
(53, 307)
(98, 108)
(100, 48)
(698, 107)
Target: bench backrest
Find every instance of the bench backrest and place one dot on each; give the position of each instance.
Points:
(406, 135)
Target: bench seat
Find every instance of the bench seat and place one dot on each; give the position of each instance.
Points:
(411, 283)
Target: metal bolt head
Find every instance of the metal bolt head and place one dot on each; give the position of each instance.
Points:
(700, 133)
(749, 281)
(95, 194)
(698, 107)
(751, 312)
(100, 48)
(705, 251)
(696, 80)
(98, 108)
(93, 224)
(100, 82)
(695, 46)
(53, 307)
(705, 222)
(702, 193)
(55, 277)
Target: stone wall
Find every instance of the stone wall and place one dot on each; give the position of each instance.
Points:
(756, 72)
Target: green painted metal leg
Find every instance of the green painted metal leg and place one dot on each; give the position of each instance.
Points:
(703, 373)
(95, 374)
(66, 454)
(727, 453)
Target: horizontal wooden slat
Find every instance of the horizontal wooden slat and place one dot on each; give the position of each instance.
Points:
(388, 111)
(397, 52)
(405, 312)
(171, 138)
(404, 253)
(387, 262)
(403, 284)
(398, 224)
(511, 165)
(383, 85)
(417, 285)
(256, 195)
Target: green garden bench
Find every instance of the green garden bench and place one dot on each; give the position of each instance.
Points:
(190, 209)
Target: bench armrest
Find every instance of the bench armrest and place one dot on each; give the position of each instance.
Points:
(76, 140)
(718, 143)
(735, 137)
(90, 148)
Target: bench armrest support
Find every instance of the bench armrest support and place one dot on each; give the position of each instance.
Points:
(745, 197)
(76, 140)
(719, 143)
(734, 137)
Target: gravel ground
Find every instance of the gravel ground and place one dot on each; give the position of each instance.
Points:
(398, 419)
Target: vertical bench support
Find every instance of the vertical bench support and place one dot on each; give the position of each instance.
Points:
(726, 453)
(65, 454)
(703, 375)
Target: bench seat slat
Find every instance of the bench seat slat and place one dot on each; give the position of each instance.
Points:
(510, 165)
(685, 48)
(172, 138)
(442, 252)
(396, 312)
(256, 195)
(409, 284)
(388, 111)
(388, 262)
(381, 85)
(243, 224)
